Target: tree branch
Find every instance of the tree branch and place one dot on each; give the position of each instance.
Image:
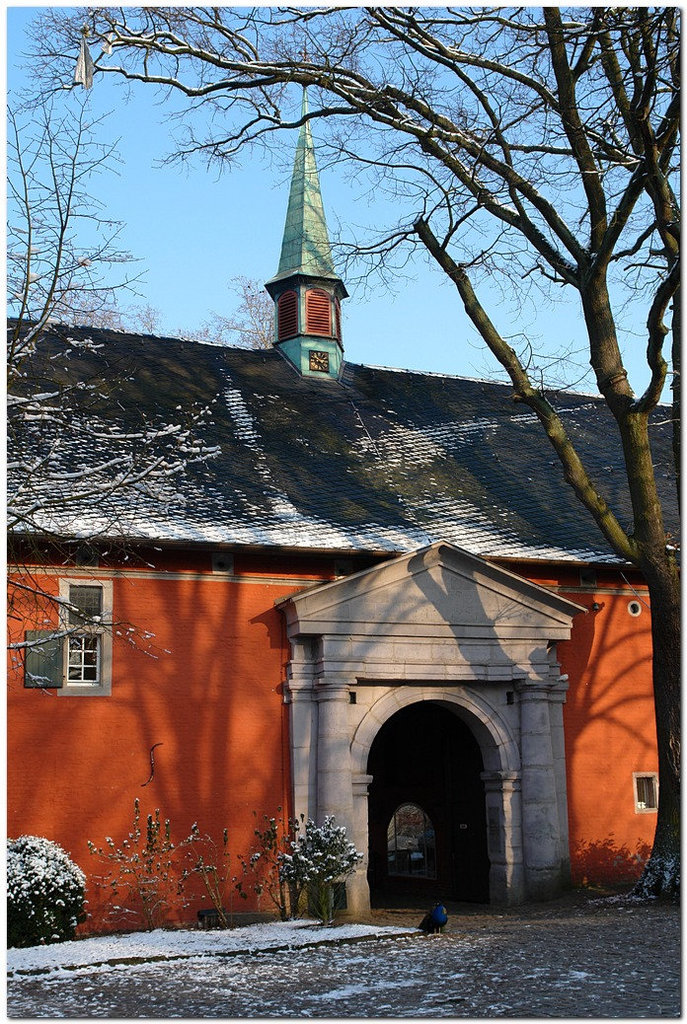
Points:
(575, 473)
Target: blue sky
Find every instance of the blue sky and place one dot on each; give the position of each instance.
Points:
(193, 230)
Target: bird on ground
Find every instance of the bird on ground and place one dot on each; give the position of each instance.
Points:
(435, 920)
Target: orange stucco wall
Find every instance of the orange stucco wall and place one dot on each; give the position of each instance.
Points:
(610, 734)
(207, 687)
(609, 724)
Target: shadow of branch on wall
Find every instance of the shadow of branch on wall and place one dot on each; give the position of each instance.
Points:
(603, 860)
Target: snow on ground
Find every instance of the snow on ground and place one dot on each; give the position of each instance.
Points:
(578, 962)
(179, 945)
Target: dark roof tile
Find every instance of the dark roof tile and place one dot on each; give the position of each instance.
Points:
(383, 460)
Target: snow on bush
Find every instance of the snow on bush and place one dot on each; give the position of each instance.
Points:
(45, 892)
(141, 872)
(321, 856)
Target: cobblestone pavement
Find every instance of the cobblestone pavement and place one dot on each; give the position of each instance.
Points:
(574, 957)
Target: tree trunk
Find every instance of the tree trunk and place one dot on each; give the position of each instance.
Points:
(661, 876)
(677, 385)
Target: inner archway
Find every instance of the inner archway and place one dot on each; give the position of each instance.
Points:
(426, 758)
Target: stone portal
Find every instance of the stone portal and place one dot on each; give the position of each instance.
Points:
(444, 629)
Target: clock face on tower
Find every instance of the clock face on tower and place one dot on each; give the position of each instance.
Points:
(319, 361)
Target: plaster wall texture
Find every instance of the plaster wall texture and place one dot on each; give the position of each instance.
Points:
(215, 702)
(205, 687)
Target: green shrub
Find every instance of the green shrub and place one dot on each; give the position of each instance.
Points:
(45, 892)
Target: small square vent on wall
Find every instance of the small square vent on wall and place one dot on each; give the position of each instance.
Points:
(588, 576)
(222, 561)
(85, 555)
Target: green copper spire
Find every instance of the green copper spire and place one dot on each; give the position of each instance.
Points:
(307, 291)
(305, 246)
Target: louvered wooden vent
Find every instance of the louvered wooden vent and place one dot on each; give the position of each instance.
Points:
(337, 318)
(318, 312)
(287, 315)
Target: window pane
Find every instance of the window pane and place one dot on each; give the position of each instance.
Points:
(88, 601)
(646, 792)
(84, 659)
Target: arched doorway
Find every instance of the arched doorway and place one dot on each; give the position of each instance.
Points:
(475, 647)
(427, 818)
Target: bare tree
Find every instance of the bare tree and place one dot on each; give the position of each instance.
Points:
(251, 325)
(61, 248)
(145, 318)
(71, 466)
(532, 145)
(138, 317)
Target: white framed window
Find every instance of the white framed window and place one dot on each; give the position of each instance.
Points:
(75, 658)
(84, 660)
(646, 792)
(87, 652)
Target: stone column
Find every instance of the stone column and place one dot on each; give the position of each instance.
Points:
(334, 777)
(540, 813)
(504, 837)
(334, 783)
(357, 887)
(299, 695)
(556, 701)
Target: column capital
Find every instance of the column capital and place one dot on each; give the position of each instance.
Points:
(538, 689)
(333, 686)
(361, 782)
(293, 692)
(496, 781)
(299, 684)
(559, 689)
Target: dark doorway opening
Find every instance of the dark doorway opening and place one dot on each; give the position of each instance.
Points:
(427, 819)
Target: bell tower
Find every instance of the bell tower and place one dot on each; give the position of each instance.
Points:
(306, 289)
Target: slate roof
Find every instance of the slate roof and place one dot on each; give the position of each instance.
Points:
(382, 461)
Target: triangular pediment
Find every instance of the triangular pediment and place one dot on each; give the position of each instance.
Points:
(440, 590)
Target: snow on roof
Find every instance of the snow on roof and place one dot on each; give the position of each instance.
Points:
(381, 460)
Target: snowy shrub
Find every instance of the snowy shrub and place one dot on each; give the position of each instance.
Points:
(320, 857)
(140, 875)
(261, 869)
(205, 861)
(45, 892)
